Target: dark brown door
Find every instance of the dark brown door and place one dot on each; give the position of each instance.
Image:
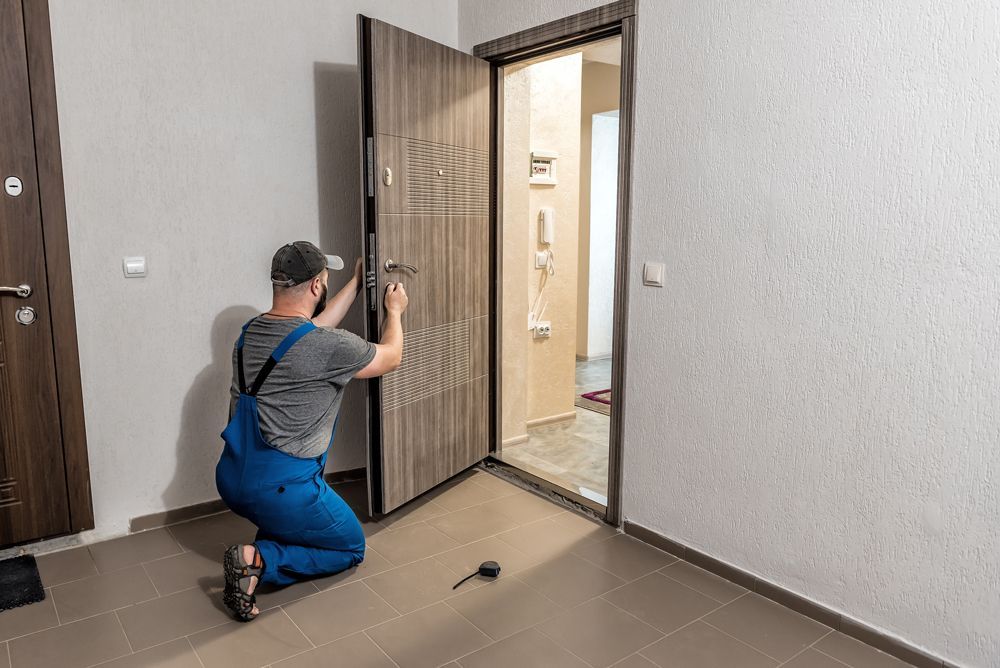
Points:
(33, 496)
(425, 127)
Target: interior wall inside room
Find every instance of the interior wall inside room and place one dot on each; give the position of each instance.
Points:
(202, 136)
(514, 304)
(595, 293)
(811, 397)
(600, 250)
(541, 113)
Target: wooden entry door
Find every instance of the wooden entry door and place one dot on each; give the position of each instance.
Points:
(34, 501)
(426, 134)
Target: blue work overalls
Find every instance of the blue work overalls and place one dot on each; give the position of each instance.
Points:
(304, 528)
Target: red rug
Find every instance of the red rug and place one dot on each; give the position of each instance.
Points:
(599, 401)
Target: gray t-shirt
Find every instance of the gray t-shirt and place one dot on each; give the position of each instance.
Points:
(299, 401)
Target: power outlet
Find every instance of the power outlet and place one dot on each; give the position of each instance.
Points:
(543, 329)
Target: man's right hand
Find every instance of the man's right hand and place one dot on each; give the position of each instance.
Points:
(395, 298)
(389, 351)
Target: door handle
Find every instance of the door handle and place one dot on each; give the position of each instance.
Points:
(22, 291)
(391, 265)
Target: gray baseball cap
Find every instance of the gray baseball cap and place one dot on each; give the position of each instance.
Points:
(299, 262)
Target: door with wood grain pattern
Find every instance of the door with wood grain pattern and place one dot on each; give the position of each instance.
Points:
(34, 499)
(426, 163)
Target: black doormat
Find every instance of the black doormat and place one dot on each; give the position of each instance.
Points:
(19, 582)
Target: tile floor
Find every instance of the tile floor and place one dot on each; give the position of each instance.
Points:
(572, 453)
(572, 593)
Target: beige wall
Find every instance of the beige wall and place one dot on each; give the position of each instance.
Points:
(540, 112)
(599, 93)
(514, 298)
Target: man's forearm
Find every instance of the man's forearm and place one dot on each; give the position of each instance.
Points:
(392, 334)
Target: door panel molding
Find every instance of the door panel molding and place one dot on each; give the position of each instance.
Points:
(432, 179)
(440, 109)
(436, 432)
(451, 254)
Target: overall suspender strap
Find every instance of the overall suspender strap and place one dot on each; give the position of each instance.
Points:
(278, 353)
(239, 356)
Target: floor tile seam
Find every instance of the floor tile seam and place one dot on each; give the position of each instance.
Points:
(839, 660)
(427, 520)
(757, 649)
(116, 609)
(66, 582)
(139, 651)
(140, 566)
(538, 627)
(380, 648)
(194, 651)
(188, 635)
(497, 536)
(622, 586)
(289, 618)
(54, 609)
(122, 627)
(561, 609)
(681, 561)
(626, 580)
(381, 598)
(477, 503)
(150, 578)
(10, 656)
(445, 599)
(684, 626)
(437, 554)
(101, 571)
(721, 603)
(600, 568)
(635, 617)
(175, 554)
(535, 589)
(647, 646)
(807, 648)
(415, 611)
(82, 619)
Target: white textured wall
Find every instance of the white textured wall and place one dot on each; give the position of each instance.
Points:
(202, 135)
(813, 397)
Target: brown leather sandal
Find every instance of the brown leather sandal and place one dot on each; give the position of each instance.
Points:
(238, 574)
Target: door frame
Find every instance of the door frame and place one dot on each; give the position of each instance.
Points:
(52, 201)
(617, 18)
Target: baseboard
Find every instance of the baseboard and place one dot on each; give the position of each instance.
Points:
(561, 417)
(593, 358)
(517, 440)
(835, 620)
(196, 510)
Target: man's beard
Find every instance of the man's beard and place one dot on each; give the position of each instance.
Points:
(321, 304)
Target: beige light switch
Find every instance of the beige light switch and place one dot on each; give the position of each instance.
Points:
(652, 274)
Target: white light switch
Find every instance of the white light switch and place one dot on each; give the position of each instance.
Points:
(652, 274)
(134, 267)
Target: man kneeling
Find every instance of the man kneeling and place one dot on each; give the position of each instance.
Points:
(282, 423)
